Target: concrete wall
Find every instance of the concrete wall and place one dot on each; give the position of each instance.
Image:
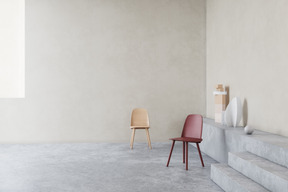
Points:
(89, 63)
(247, 49)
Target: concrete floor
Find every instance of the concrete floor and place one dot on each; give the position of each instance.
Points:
(101, 167)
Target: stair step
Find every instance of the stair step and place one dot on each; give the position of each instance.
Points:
(230, 180)
(272, 147)
(268, 174)
(219, 139)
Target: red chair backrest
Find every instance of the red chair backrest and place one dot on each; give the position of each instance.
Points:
(193, 126)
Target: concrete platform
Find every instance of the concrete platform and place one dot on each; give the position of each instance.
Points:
(232, 181)
(218, 140)
(270, 175)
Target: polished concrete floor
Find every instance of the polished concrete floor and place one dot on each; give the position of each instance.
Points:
(101, 167)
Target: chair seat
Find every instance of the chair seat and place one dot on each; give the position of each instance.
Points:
(187, 139)
(138, 127)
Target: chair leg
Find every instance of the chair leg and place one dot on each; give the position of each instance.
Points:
(170, 153)
(186, 155)
(132, 138)
(183, 152)
(148, 138)
(200, 154)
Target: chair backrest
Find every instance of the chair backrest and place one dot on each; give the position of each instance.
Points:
(139, 117)
(193, 126)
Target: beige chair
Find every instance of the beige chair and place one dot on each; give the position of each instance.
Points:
(140, 120)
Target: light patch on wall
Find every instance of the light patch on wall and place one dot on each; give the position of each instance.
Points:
(12, 48)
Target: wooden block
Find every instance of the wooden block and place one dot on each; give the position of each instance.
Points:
(218, 117)
(219, 108)
(219, 87)
(220, 99)
(220, 103)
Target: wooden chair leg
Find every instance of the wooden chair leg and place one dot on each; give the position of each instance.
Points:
(200, 154)
(183, 152)
(170, 153)
(148, 138)
(186, 155)
(132, 138)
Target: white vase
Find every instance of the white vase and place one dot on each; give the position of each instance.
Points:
(233, 113)
(248, 130)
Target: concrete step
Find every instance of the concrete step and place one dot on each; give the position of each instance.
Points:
(230, 180)
(268, 174)
(269, 146)
(219, 139)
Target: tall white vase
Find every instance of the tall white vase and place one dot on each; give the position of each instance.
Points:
(233, 113)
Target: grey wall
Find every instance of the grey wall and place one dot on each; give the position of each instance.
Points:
(89, 63)
(247, 49)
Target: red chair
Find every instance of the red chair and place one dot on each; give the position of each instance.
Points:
(192, 132)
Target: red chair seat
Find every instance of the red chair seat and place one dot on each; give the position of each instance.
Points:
(187, 139)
